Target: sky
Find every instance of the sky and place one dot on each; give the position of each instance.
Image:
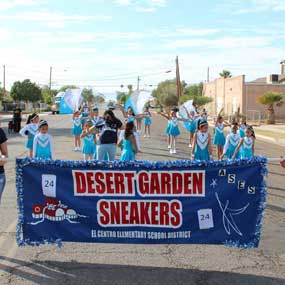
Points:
(108, 43)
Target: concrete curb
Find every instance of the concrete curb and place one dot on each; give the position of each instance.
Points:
(269, 139)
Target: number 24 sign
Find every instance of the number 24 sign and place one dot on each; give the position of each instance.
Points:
(49, 185)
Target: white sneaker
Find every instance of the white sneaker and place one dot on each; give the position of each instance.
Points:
(78, 149)
(174, 151)
(190, 145)
(169, 147)
(145, 136)
(171, 151)
(75, 149)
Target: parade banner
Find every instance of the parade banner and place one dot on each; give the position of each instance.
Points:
(173, 202)
(183, 113)
(137, 101)
(70, 101)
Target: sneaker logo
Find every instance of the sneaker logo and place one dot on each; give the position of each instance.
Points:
(53, 210)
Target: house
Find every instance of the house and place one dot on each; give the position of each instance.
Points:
(233, 93)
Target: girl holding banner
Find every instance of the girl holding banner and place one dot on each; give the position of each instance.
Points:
(202, 146)
(246, 144)
(30, 130)
(89, 140)
(232, 142)
(128, 143)
(43, 144)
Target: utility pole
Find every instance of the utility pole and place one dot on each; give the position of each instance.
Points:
(138, 85)
(178, 81)
(50, 77)
(4, 80)
(208, 74)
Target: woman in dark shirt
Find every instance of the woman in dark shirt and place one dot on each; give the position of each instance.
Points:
(4, 153)
(108, 137)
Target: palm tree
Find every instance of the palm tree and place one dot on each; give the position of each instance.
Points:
(226, 74)
(271, 99)
(130, 88)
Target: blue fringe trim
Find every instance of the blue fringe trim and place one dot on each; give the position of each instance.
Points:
(22, 162)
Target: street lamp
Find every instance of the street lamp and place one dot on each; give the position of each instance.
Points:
(139, 79)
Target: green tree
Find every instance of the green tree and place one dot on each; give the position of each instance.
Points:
(1, 92)
(271, 99)
(99, 98)
(26, 91)
(130, 88)
(88, 94)
(65, 87)
(195, 92)
(194, 89)
(122, 97)
(166, 93)
(48, 94)
(226, 74)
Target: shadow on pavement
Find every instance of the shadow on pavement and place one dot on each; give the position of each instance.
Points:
(275, 208)
(55, 272)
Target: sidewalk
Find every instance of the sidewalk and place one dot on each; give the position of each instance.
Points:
(4, 117)
(271, 133)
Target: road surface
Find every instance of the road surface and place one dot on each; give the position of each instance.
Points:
(133, 264)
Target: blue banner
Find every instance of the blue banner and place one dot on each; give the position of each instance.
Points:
(130, 103)
(179, 202)
(64, 108)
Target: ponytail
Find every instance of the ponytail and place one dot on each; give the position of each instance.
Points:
(29, 119)
(129, 129)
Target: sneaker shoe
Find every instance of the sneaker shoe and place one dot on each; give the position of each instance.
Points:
(145, 136)
(190, 145)
(69, 213)
(174, 151)
(75, 149)
(169, 146)
(52, 211)
(171, 151)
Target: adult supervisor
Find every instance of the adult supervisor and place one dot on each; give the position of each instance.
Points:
(17, 119)
(108, 137)
(3, 153)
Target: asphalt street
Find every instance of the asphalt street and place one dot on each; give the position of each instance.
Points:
(78, 263)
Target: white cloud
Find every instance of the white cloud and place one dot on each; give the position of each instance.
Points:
(221, 43)
(4, 34)
(197, 32)
(145, 6)
(47, 16)
(10, 4)
(62, 37)
(107, 69)
(265, 5)
(253, 6)
(123, 2)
